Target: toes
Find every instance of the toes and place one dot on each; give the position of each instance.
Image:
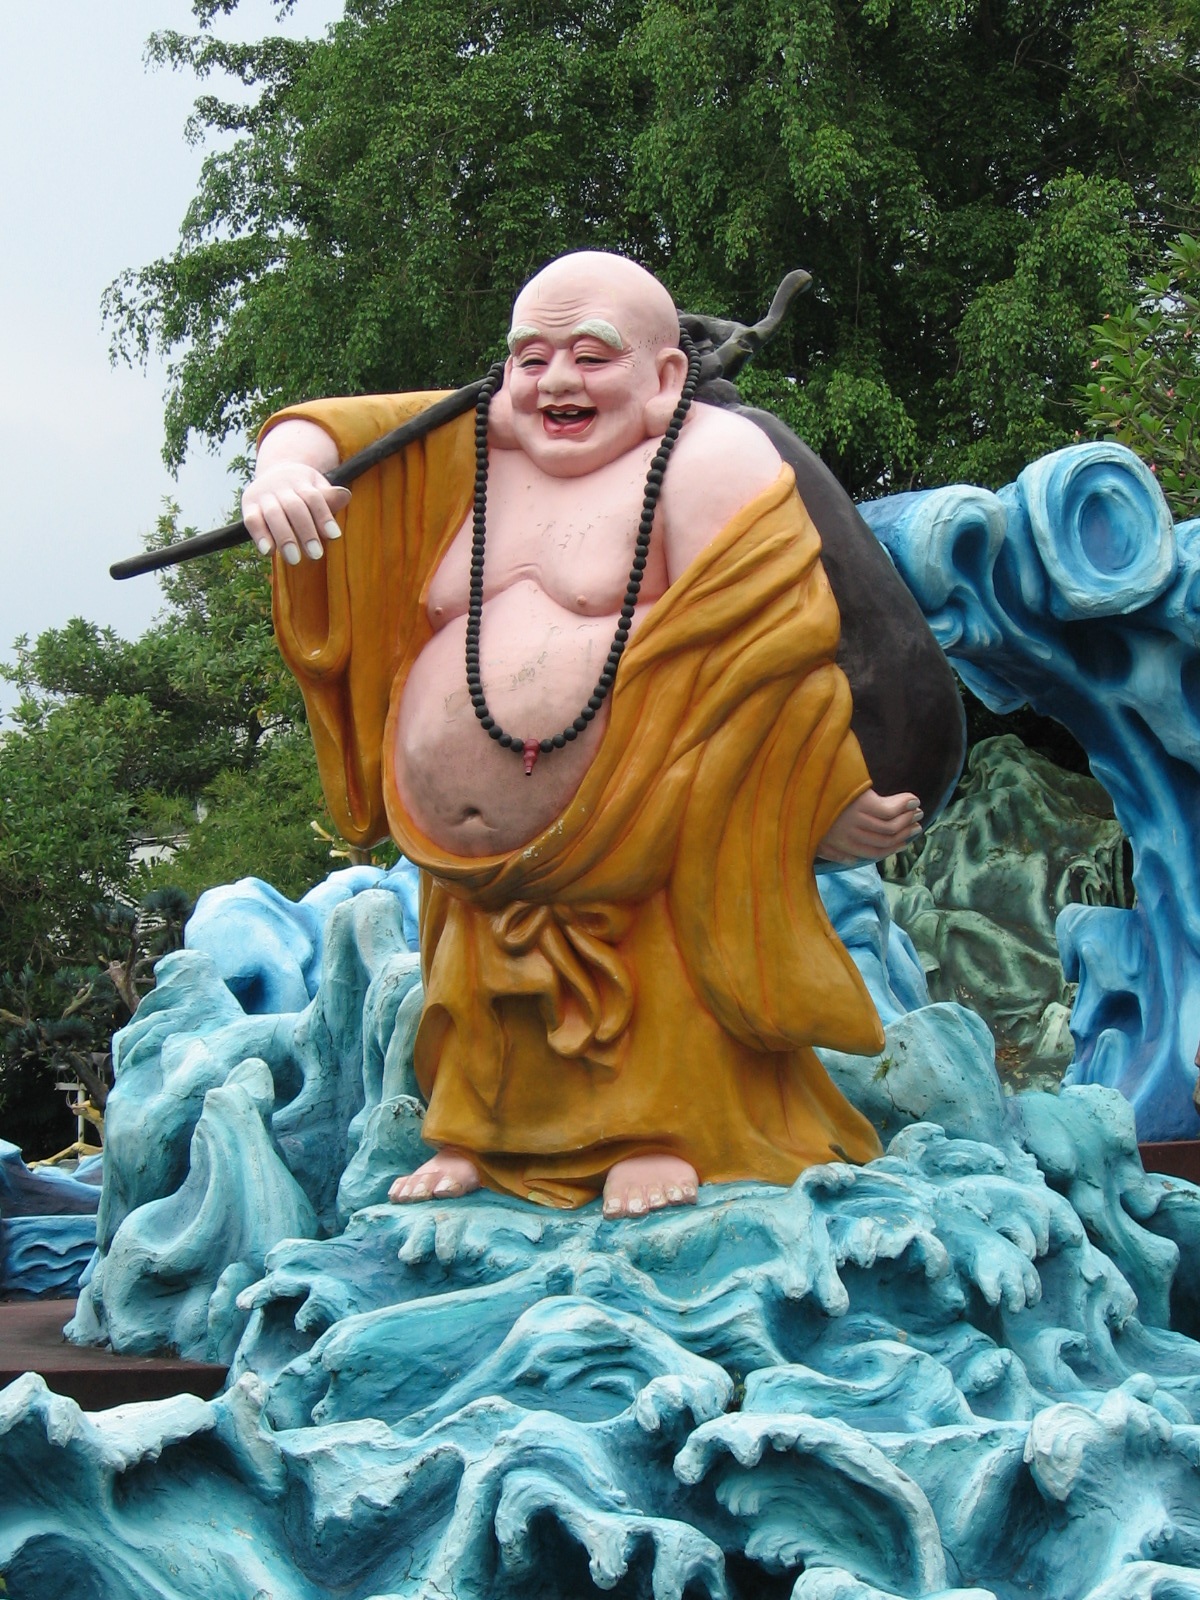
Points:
(656, 1198)
(613, 1206)
(674, 1195)
(448, 1186)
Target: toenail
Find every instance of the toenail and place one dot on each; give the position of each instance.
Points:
(448, 1186)
(637, 1205)
(674, 1193)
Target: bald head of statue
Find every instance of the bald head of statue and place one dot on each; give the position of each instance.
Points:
(595, 366)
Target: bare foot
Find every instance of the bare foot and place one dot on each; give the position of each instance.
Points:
(444, 1176)
(648, 1183)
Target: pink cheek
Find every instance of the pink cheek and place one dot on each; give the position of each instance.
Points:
(523, 395)
(607, 383)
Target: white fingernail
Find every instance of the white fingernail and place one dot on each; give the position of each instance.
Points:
(332, 531)
(291, 555)
(315, 549)
(264, 546)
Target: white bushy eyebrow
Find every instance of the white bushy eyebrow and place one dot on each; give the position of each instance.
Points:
(522, 330)
(599, 329)
(595, 327)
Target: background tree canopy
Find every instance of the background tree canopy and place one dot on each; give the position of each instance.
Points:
(976, 185)
(192, 737)
(972, 183)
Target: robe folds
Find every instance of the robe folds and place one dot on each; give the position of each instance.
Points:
(651, 972)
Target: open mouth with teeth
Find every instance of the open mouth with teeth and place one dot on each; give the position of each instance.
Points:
(563, 422)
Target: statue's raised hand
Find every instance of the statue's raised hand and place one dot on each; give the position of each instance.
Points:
(871, 827)
(290, 506)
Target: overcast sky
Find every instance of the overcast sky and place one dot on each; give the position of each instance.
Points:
(94, 177)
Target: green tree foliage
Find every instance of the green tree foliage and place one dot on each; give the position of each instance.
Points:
(1144, 387)
(114, 747)
(972, 183)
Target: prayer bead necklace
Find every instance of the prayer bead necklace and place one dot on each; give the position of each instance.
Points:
(530, 749)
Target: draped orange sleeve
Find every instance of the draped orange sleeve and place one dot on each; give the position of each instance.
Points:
(652, 971)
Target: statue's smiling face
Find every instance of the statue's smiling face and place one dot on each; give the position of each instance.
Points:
(592, 365)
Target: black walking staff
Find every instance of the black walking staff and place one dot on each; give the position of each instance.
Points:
(442, 411)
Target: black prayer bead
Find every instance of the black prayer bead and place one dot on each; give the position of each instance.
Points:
(654, 481)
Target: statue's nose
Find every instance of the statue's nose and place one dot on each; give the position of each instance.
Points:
(561, 376)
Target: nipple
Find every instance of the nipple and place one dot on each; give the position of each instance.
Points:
(532, 749)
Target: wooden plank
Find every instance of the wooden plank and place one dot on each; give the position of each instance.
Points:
(1174, 1158)
(31, 1340)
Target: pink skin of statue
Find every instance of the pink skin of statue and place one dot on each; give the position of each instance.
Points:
(588, 391)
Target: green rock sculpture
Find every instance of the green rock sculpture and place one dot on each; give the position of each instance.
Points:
(979, 897)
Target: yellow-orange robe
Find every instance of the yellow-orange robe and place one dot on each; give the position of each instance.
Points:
(650, 972)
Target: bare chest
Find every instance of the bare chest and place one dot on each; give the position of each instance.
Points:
(572, 538)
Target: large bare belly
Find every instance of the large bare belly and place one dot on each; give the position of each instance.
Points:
(539, 663)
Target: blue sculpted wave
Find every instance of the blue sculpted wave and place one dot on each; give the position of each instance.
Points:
(917, 1378)
(47, 1225)
(268, 949)
(966, 1370)
(1071, 590)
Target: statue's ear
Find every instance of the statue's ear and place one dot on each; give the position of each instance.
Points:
(501, 433)
(672, 374)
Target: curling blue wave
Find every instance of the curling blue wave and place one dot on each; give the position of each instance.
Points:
(1072, 590)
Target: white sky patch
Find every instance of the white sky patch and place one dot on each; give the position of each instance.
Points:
(96, 177)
